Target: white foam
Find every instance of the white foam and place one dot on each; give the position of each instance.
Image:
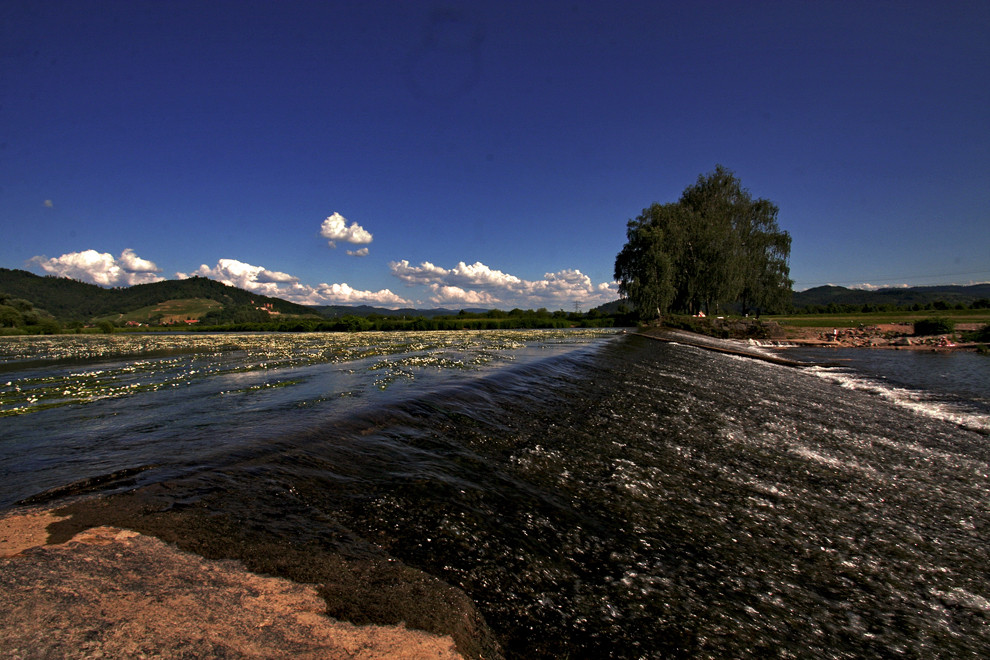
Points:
(917, 401)
(833, 461)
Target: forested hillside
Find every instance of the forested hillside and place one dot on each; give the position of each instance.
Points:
(948, 295)
(70, 300)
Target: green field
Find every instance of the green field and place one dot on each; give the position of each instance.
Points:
(170, 311)
(856, 319)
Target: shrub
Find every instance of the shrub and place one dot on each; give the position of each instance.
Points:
(934, 326)
(981, 335)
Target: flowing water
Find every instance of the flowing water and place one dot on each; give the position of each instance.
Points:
(595, 494)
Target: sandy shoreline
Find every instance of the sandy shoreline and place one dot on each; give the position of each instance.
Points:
(112, 592)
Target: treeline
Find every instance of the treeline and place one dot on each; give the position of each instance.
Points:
(364, 324)
(18, 316)
(869, 308)
(248, 320)
(715, 247)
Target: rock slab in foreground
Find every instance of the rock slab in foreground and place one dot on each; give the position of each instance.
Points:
(110, 592)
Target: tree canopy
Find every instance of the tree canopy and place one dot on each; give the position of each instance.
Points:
(713, 247)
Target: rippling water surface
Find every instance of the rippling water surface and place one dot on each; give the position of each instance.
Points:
(597, 495)
(80, 406)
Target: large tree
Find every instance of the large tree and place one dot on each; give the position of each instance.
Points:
(715, 246)
(644, 268)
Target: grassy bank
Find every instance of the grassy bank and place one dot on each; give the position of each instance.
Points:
(856, 319)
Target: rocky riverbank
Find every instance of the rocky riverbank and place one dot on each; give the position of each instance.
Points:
(112, 592)
(886, 335)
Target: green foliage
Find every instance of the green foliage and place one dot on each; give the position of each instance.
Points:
(644, 267)
(981, 335)
(934, 326)
(48, 326)
(10, 317)
(236, 314)
(106, 327)
(20, 313)
(715, 246)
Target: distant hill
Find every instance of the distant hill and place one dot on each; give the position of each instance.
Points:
(71, 300)
(901, 297)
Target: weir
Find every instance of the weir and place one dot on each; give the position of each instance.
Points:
(707, 343)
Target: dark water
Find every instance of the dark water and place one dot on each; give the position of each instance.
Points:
(945, 384)
(630, 498)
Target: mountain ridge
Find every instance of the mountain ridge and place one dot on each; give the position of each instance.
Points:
(950, 294)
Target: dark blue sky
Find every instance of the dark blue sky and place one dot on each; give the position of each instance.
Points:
(485, 153)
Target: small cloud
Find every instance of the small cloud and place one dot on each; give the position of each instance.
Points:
(335, 228)
(363, 252)
(48, 204)
(135, 264)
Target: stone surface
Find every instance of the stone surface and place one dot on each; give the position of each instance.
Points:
(110, 592)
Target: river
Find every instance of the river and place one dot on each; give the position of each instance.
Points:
(594, 494)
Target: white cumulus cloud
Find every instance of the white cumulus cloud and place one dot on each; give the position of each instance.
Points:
(479, 284)
(101, 268)
(363, 252)
(257, 279)
(422, 274)
(455, 294)
(135, 264)
(335, 228)
(260, 280)
(343, 294)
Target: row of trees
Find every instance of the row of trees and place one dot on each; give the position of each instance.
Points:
(869, 308)
(713, 247)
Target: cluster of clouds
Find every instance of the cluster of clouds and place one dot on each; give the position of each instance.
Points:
(474, 285)
(101, 268)
(282, 285)
(478, 284)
